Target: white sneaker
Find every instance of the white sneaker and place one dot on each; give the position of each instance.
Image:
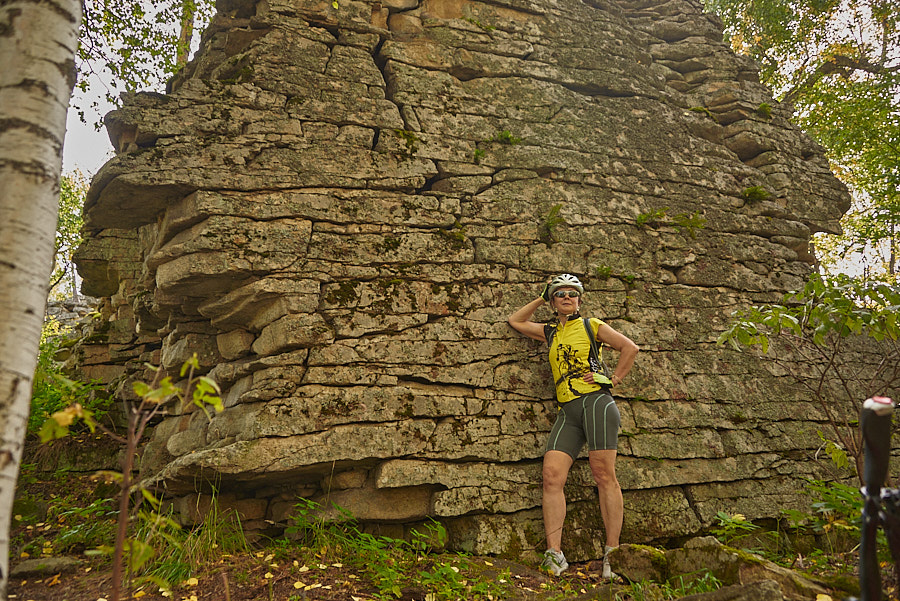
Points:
(554, 562)
(607, 573)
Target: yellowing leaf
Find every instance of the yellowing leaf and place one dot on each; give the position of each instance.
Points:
(191, 582)
(269, 575)
(821, 597)
(299, 584)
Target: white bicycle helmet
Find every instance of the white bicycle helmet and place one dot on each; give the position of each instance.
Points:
(566, 280)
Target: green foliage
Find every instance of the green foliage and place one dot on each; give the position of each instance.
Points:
(835, 516)
(702, 581)
(683, 222)
(154, 398)
(390, 564)
(130, 45)
(731, 529)
(410, 140)
(764, 110)
(815, 328)
(696, 583)
(705, 111)
(755, 194)
(840, 306)
(505, 137)
(604, 271)
(836, 62)
(177, 552)
(651, 218)
(88, 527)
(689, 222)
(72, 191)
(478, 155)
(550, 222)
(836, 453)
(52, 391)
(479, 24)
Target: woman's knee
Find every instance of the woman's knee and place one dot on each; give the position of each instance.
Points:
(603, 475)
(603, 469)
(555, 470)
(554, 477)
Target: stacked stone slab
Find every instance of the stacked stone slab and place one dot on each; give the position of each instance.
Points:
(336, 208)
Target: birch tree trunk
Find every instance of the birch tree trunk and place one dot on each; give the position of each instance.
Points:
(38, 40)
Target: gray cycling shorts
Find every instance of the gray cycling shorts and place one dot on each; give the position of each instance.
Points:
(592, 418)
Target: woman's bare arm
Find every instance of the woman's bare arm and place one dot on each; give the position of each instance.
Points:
(521, 321)
(628, 350)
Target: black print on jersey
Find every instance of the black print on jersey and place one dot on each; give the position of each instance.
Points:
(569, 366)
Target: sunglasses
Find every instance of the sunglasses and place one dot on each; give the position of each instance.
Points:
(565, 293)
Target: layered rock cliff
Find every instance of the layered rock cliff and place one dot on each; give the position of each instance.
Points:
(337, 206)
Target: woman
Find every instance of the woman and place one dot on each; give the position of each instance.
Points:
(587, 411)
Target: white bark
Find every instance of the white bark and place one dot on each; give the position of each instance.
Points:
(38, 39)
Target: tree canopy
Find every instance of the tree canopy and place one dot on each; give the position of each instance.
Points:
(838, 62)
(129, 45)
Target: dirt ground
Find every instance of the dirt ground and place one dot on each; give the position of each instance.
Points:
(58, 514)
(251, 578)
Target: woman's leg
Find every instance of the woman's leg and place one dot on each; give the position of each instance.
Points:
(603, 469)
(555, 472)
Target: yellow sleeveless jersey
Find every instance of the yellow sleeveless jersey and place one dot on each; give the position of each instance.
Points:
(569, 355)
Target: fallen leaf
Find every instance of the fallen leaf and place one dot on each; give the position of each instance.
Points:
(299, 584)
(53, 581)
(303, 569)
(269, 575)
(191, 582)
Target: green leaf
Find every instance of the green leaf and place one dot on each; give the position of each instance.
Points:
(139, 553)
(52, 430)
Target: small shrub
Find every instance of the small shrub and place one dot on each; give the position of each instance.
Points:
(652, 217)
(755, 194)
(505, 137)
(551, 221)
(52, 391)
(689, 222)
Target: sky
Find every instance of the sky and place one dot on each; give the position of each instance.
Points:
(85, 148)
